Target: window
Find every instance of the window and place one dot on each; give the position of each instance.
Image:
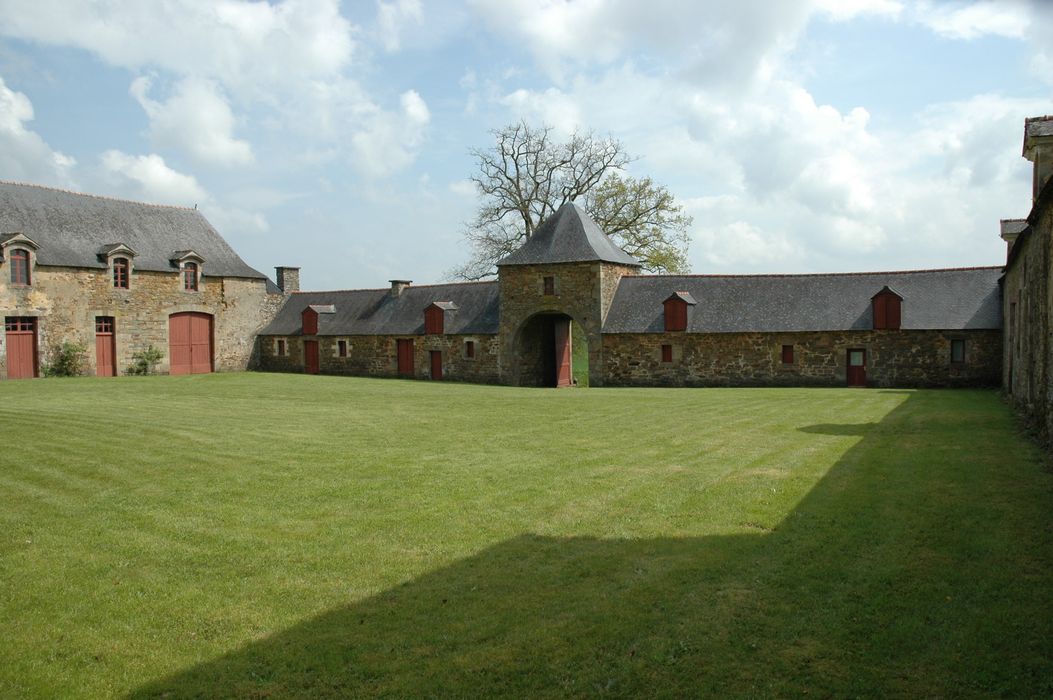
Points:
(433, 320)
(104, 324)
(19, 323)
(469, 349)
(280, 348)
(675, 315)
(787, 354)
(20, 267)
(958, 351)
(887, 310)
(341, 348)
(190, 276)
(550, 285)
(667, 353)
(120, 273)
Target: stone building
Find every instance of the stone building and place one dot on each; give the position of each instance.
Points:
(117, 277)
(569, 285)
(1028, 351)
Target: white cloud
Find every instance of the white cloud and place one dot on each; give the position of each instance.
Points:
(246, 46)
(392, 19)
(971, 20)
(195, 118)
(151, 179)
(463, 188)
(551, 107)
(843, 10)
(24, 155)
(384, 142)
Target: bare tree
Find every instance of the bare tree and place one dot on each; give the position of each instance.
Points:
(527, 175)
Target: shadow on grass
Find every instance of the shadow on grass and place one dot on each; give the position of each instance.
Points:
(862, 590)
(838, 428)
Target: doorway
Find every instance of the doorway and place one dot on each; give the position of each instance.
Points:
(857, 367)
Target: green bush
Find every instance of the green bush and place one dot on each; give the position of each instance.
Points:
(144, 361)
(67, 360)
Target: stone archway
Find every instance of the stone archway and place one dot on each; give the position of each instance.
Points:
(545, 351)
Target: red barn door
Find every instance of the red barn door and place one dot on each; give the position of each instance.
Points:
(563, 373)
(105, 347)
(857, 368)
(405, 357)
(310, 356)
(190, 343)
(21, 347)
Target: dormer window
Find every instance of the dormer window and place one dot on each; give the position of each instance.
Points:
(121, 273)
(888, 310)
(677, 308)
(190, 273)
(20, 267)
(435, 317)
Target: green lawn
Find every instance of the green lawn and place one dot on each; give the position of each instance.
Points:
(257, 535)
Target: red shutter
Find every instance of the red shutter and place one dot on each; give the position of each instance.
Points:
(436, 364)
(667, 353)
(433, 320)
(675, 315)
(405, 357)
(880, 322)
(469, 349)
(892, 312)
(787, 354)
(310, 321)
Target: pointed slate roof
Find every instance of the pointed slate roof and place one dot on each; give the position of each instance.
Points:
(569, 235)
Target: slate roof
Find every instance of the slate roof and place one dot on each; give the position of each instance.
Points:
(377, 312)
(569, 235)
(70, 230)
(956, 299)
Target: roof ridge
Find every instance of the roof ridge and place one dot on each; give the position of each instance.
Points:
(388, 289)
(822, 274)
(97, 196)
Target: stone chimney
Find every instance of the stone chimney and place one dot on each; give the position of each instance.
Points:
(1011, 228)
(397, 286)
(287, 279)
(1038, 148)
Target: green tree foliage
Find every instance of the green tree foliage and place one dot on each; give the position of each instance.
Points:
(528, 174)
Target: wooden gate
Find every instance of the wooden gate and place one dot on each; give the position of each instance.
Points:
(436, 364)
(190, 343)
(563, 364)
(105, 347)
(310, 356)
(405, 357)
(21, 346)
(857, 367)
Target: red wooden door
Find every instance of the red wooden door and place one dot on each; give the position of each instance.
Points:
(21, 347)
(190, 343)
(310, 356)
(405, 357)
(563, 373)
(436, 364)
(105, 347)
(857, 368)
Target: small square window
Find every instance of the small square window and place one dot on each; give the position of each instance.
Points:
(341, 348)
(958, 351)
(550, 285)
(469, 349)
(104, 324)
(667, 353)
(787, 354)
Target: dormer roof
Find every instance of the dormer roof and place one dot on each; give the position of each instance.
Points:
(180, 256)
(322, 308)
(887, 290)
(111, 249)
(569, 235)
(444, 305)
(8, 239)
(682, 296)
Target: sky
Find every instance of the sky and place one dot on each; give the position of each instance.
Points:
(801, 136)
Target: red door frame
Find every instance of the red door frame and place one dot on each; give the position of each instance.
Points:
(310, 356)
(404, 347)
(105, 347)
(21, 339)
(856, 375)
(436, 364)
(563, 352)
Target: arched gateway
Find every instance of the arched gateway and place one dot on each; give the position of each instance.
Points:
(564, 277)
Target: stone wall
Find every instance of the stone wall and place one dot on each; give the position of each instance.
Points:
(894, 359)
(375, 356)
(67, 300)
(1026, 299)
(583, 291)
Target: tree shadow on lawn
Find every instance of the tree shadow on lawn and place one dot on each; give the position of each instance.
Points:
(870, 587)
